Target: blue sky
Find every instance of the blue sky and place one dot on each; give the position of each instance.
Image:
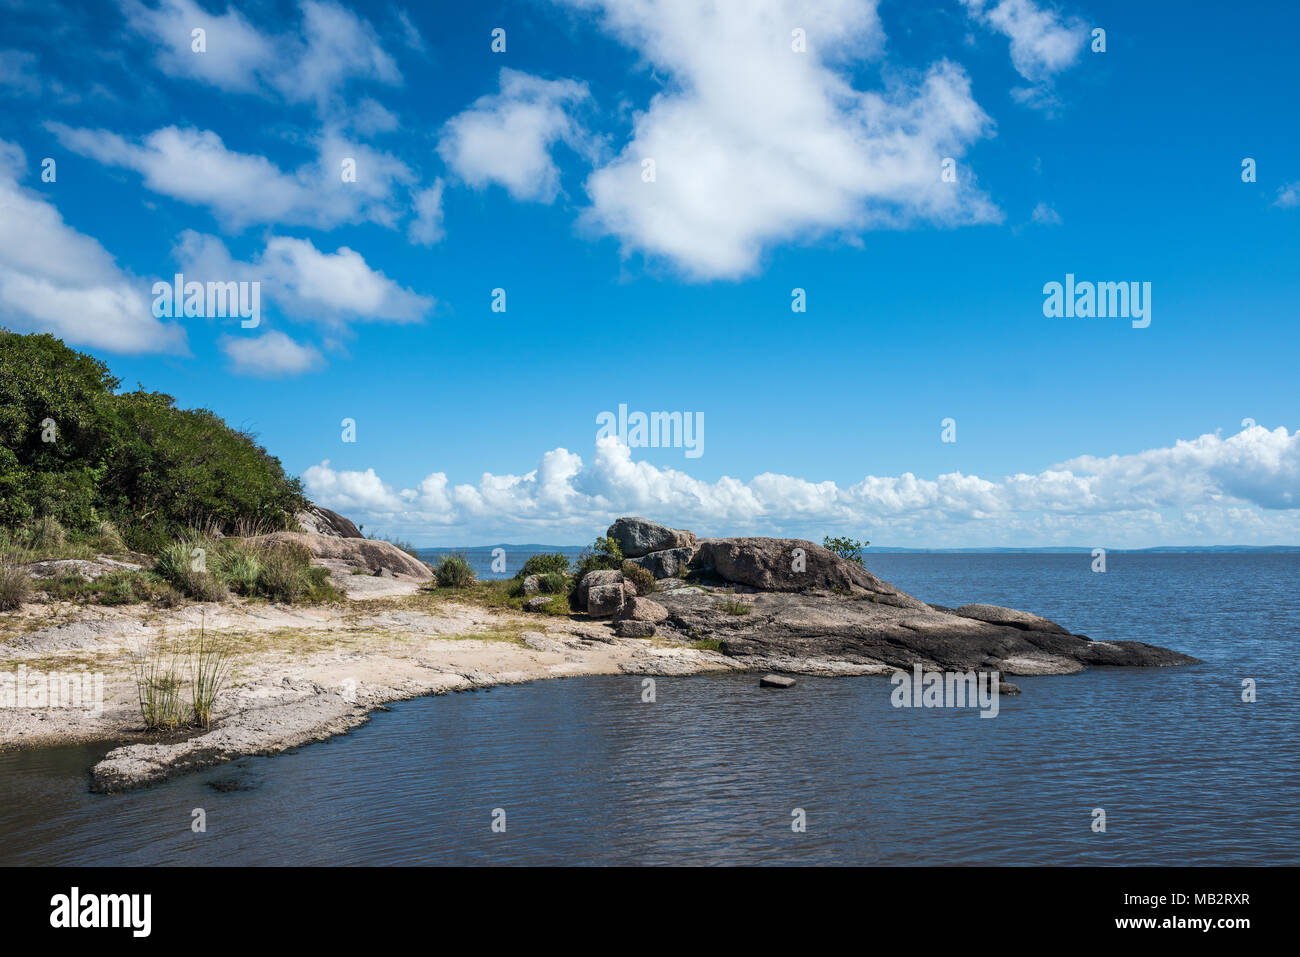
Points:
(775, 169)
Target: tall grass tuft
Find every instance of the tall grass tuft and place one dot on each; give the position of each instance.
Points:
(210, 671)
(15, 585)
(158, 685)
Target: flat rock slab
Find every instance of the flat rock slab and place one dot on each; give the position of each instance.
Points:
(819, 627)
(775, 681)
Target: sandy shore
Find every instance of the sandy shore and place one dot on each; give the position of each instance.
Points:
(301, 674)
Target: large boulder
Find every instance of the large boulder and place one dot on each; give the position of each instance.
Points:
(640, 536)
(598, 577)
(315, 520)
(605, 601)
(792, 564)
(643, 609)
(667, 563)
(366, 554)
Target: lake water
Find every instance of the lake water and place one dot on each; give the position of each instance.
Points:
(710, 773)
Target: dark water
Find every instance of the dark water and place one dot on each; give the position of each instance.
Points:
(586, 772)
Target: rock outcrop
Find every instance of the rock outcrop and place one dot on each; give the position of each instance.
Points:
(667, 562)
(640, 536)
(315, 520)
(805, 608)
(369, 555)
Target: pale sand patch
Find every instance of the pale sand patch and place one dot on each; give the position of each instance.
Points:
(301, 674)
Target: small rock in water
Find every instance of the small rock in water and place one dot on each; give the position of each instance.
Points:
(1007, 688)
(775, 681)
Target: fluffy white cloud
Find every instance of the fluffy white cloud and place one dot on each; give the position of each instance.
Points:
(269, 355)
(426, 228)
(1242, 488)
(313, 64)
(756, 144)
(1043, 43)
(1288, 196)
(56, 279)
(241, 189)
(506, 138)
(303, 281)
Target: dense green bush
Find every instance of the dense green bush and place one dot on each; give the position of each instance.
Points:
(74, 450)
(544, 565)
(454, 571)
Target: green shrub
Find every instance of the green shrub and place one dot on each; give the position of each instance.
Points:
(604, 553)
(553, 583)
(288, 575)
(454, 571)
(15, 586)
(845, 547)
(180, 567)
(641, 578)
(544, 565)
(240, 565)
(108, 539)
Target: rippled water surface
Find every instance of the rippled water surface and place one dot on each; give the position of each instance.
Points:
(711, 772)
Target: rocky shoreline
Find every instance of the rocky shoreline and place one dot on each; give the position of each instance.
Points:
(308, 673)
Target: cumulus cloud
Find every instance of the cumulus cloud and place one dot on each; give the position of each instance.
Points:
(269, 355)
(58, 280)
(1288, 196)
(305, 282)
(1043, 42)
(195, 166)
(311, 64)
(506, 138)
(755, 144)
(1245, 487)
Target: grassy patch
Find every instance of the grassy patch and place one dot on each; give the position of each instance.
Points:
(734, 606)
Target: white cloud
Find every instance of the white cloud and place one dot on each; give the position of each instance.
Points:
(304, 282)
(331, 47)
(1242, 488)
(269, 355)
(756, 145)
(1045, 215)
(506, 138)
(1288, 196)
(426, 228)
(58, 280)
(1043, 43)
(18, 74)
(195, 166)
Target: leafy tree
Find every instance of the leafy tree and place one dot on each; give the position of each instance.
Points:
(845, 547)
(74, 449)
